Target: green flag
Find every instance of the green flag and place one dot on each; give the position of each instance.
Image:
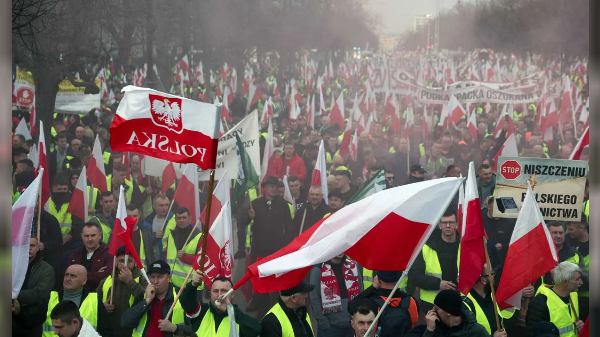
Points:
(246, 175)
(371, 186)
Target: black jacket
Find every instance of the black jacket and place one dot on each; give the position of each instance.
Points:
(498, 230)
(312, 216)
(400, 167)
(249, 327)
(132, 316)
(28, 323)
(51, 237)
(468, 328)
(273, 226)
(416, 275)
(301, 328)
(537, 311)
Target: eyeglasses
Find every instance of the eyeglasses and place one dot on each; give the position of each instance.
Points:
(448, 223)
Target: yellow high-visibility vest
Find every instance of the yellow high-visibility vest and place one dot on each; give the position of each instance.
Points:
(284, 321)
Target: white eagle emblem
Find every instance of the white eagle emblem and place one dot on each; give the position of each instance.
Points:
(168, 113)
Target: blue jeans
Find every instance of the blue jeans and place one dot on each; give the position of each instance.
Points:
(336, 331)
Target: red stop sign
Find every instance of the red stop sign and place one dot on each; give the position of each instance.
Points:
(510, 169)
(25, 97)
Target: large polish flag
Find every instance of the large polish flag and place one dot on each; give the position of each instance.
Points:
(472, 253)
(97, 176)
(530, 255)
(254, 94)
(336, 115)
(472, 126)
(370, 238)
(219, 247)
(22, 217)
(169, 177)
(78, 206)
(221, 194)
(166, 126)
(186, 194)
(319, 174)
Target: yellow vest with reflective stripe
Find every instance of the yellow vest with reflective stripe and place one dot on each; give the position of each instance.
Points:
(106, 230)
(106, 157)
(63, 217)
(284, 321)
(207, 327)
(178, 317)
(368, 279)
(128, 191)
(86, 309)
(433, 268)
(422, 149)
(253, 195)
(92, 201)
(561, 314)
(180, 269)
(482, 318)
(586, 210)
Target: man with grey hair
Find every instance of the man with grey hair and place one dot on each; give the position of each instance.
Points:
(558, 304)
(312, 211)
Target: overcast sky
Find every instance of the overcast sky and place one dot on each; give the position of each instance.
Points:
(397, 15)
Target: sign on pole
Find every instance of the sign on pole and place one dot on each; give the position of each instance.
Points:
(558, 186)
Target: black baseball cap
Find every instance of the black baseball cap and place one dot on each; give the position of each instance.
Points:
(300, 288)
(418, 168)
(159, 266)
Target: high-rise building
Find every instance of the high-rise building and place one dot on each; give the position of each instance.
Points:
(421, 21)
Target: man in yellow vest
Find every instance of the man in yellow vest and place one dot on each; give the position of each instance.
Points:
(558, 304)
(72, 290)
(289, 316)
(565, 252)
(58, 205)
(141, 236)
(68, 321)
(479, 302)
(147, 314)
(436, 267)
(127, 287)
(180, 252)
(158, 223)
(105, 216)
(210, 318)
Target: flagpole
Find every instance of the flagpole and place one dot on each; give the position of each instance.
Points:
(303, 218)
(39, 215)
(167, 216)
(211, 186)
(491, 280)
(113, 278)
(191, 232)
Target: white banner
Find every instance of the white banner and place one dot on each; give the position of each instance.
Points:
(226, 155)
(71, 99)
(477, 94)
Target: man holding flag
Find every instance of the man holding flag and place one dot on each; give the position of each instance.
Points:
(213, 317)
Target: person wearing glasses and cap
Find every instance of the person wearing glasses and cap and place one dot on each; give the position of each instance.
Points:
(289, 316)
(147, 314)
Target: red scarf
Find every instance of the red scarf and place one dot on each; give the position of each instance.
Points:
(331, 300)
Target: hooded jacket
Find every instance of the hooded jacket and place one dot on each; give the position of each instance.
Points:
(468, 328)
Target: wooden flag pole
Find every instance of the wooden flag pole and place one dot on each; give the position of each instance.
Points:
(192, 232)
(211, 186)
(303, 218)
(113, 279)
(39, 215)
(491, 280)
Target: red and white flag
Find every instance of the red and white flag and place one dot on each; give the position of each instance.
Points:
(322, 103)
(530, 255)
(287, 194)
(221, 195)
(319, 173)
(455, 112)
(218, 260)
(32, 120)
(581, 144)
(472, 126)
(566, 104)
(370, 238)
(186, 194)
(472, 254)
(23, 130)
(354, 146)
(42, 162)
(167, 127)
(225, 111)
(169, 177)
(125, 236)
(254, 95)
(97, 176)
(78, 206)
(199, 74)
(336, 115)
(460, 209)
(310, 117)
(585, 114)
(267, 152)
(508, 149)
(275, 87)
(120, 225)
(502, 120)
(233, 82)
(22, 217)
